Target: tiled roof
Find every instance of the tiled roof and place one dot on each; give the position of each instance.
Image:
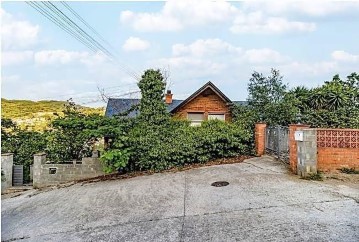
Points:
(120, 105)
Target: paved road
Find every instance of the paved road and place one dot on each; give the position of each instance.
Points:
(263, 202)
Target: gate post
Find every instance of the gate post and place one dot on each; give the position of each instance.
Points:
(260, 138)
(7, 161)
(293, 156)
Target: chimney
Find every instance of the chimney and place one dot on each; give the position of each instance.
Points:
(168, 97)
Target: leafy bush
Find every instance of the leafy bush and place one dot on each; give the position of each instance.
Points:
(115, 159)
(177, 143)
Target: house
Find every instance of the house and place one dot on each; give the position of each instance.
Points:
(206, 103)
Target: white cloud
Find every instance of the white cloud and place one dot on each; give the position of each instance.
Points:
(48, 57)
(17, 34)
(16, 57)
(64, 57)
(135, 44)
(215, 57)
(318, 8)
(146, 22)
(257, 22)
(176, 15)
(263, 56)
(205, 47)
(342, 56)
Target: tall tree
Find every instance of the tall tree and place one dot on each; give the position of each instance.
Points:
(152, 108)
(269, 98)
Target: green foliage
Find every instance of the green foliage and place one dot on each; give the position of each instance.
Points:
(37, 116)
(335, 104)
(177, 143)
(74, 135)
(314, 177)
(23, 144)
(158, 142)
(152, 108)
(115, 159)
(269, 99)
(349, 170)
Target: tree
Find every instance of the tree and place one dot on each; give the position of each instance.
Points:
(152, 108)
(335, 104)
(22, 143)
(269, 98)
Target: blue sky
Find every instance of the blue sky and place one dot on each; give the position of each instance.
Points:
(194, 42)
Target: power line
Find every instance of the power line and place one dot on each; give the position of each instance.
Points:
(58, 17)
(49, 16)
(77, 28)
(84, 22)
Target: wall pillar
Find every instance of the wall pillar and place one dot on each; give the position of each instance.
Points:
(39, 160)
(307, 153)
(7, 162)
(293, 156)
(260, 138)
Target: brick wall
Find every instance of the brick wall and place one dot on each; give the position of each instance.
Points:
(260, 138)
(337, 148)
(207, 102)
(42, 176)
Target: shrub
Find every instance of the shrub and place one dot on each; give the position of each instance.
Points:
(176, 143)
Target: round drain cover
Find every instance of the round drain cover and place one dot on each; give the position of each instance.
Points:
(220, 184)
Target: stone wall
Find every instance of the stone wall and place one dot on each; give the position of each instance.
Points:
(46, 174)
(6, 169)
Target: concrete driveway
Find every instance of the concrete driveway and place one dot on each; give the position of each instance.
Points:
(263, 202)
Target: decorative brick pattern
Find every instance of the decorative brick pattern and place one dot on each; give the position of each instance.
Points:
(337, 148)
(338, 138)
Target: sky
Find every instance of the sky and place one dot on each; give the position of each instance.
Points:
(192, 42)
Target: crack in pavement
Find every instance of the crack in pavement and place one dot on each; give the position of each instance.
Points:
(184, 205)
(262, 167)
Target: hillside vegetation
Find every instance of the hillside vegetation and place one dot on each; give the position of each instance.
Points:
(34, 115)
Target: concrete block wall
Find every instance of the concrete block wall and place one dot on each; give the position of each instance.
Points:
(307, 153)
(293, 152)
(7, 162)
(46, 174)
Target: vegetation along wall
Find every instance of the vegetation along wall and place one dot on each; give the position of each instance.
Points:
(52, 174)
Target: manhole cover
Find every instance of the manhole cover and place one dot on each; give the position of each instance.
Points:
(220, 184)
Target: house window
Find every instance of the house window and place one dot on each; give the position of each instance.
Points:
(212, 116)
(195, 118)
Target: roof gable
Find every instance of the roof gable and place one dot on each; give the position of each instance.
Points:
(208, 85)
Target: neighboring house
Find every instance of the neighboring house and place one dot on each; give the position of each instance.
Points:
(206, 103)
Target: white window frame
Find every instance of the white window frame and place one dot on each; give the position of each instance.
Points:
(213, 114)
(195, 122)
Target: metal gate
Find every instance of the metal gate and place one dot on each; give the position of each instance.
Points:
(18, 175)
(277, 142)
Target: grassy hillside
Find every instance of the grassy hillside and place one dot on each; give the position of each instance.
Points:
(37, 115)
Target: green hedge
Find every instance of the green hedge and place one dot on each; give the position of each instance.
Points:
(177, 143)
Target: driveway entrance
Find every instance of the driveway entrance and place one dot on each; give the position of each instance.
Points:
(262, 202)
